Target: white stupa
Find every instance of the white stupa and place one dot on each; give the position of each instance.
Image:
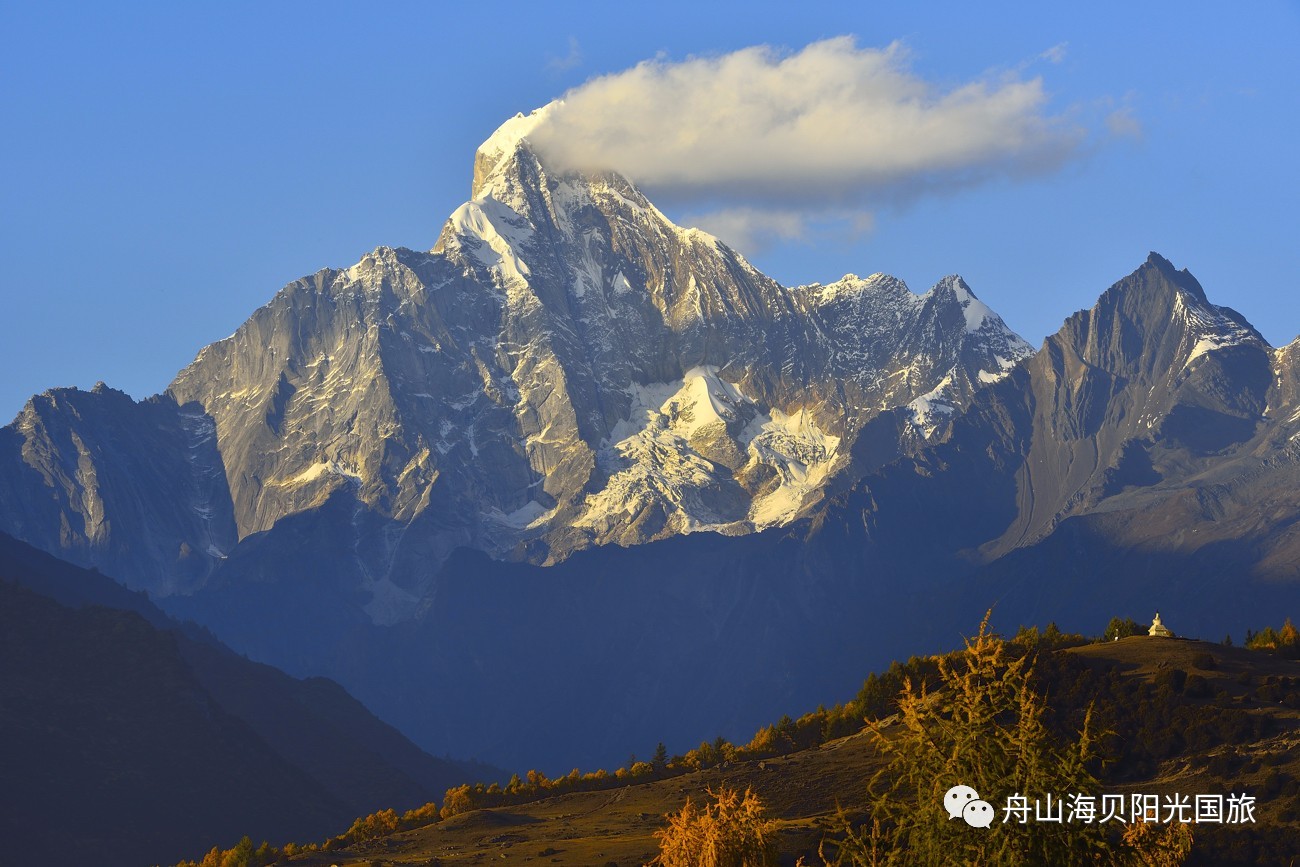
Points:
(1158, 629)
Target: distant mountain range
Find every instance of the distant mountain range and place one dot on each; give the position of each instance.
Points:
(472, 484)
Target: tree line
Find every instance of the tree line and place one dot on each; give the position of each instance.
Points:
(1155, 719)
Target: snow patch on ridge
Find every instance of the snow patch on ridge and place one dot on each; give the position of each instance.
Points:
(851, 287)
(1005, 366)
(926, 408)
(527, 517)
(495, 233)
(975, 310)
(802, 453)
(316, 471)
(1213, 328)
(657, 457)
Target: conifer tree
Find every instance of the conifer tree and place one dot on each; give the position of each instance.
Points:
(983, 726)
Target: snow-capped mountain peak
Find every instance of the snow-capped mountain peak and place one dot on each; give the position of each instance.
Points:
(565, 368)
(975, 311)
(502, 144)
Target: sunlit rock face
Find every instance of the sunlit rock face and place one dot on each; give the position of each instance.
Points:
(566, 368)
(415, 474)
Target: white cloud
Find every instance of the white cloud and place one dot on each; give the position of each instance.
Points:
(770, 140)
(750, 229)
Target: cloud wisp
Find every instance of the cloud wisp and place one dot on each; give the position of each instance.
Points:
(572, 58)
(753, 229)
(770, 140)
(1055, 54)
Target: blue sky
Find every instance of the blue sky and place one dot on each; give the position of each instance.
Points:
(168, 167)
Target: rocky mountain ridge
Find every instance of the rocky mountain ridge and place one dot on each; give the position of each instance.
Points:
(1141, 460)
(1147, 390)
(566, 368)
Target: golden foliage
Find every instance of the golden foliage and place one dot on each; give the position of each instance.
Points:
(1155, 845)
(375, 825)
(243, 855)
(1289, 637)
(1285, 641)
(982, 726)
(730, 832)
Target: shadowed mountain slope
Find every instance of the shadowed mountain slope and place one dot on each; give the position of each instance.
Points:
(129, 739)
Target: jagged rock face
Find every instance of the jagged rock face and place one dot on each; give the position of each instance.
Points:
(138, 489)
(877, 324)
(1137, 415)
(1215, 481)
(568, 368)
(1147, 458)
(1152, 384)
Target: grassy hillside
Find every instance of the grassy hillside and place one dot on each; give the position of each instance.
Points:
(1184, 716)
